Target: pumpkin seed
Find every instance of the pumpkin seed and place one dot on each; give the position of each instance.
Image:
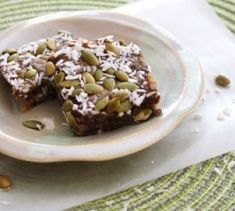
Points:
(121, 95)
(41, 48)
(127, 85)
(44, 57)
(124, 106)
(102, 103)
(98, 74)
(22, 73)
(89, 57)
(30, 74)
(110, 71)
(121, 75)
(93, 88)
(9, 51)
(68, 105)
(33, 124)
(69, 83)
(152, 82)
(112, 48)
(51, 44)
(12, 57)
(143, 115)
(76, 92)
(222, 80)
(113, 105)
(59, 77)
(109, 84)
(122, 42)
(88, 78)
(70, 119)
(50, 68)
(5, 182)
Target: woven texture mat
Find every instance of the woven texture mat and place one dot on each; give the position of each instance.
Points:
(209, 185)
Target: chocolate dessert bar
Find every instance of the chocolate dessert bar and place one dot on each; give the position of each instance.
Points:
(28, 71)
(103, 85)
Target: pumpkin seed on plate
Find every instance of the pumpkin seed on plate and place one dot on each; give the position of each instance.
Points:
(98, 74)
(143, 115)
(5, 182)
(113, 105)
(41, 48)
(222, 80)
(93, 88)
(109, 84)
(70, 119)
(110, 71)
(112, 48)
(68, 105)
(12, 57)
(69, 83)
(152, 82)
(22, 73)
(124, 106)
(121, 95)
(30, 74)
(76, 92)
(50, 68)
(122, 42)
(127, 85)
(59, 77)
(121, 75)
(10, 51)
(88, 78)
(44, 57)
(33, 124)
(90, 57)
(102, 103)
(51, 44)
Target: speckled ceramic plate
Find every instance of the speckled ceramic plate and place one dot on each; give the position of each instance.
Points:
(177, 71)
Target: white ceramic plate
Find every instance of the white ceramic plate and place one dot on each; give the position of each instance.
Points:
(177, 71)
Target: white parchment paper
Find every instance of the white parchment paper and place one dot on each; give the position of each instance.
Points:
(62, 185)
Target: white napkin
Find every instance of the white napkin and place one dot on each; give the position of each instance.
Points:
(59, 186)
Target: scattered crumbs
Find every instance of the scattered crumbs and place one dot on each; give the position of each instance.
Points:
(5, 202)
(137, 190)
(217, 91)
(150, 189)
(125, 206)
(197, 116)
(65, 124)
(208, 90)
(227, 112)
(220, 116)
(196, 130)
(231, 166)
(109, 203)
(152, 161)
(217, 170)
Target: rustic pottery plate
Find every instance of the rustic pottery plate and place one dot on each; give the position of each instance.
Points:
(177, 71)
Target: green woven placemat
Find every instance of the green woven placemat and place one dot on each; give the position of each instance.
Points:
(206, 186)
